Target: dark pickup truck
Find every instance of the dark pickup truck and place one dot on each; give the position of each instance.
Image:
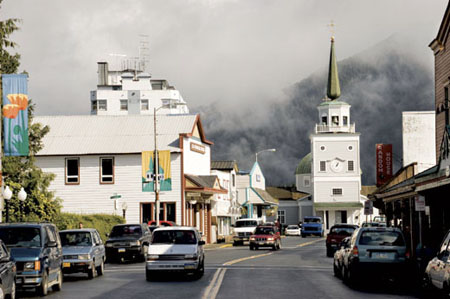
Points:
(128, 241)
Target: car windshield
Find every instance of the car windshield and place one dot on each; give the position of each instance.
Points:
(246, 223)
(126, 230)
(21, 236)
(373, 224)
(264, 231)
(312, 220)
(292, 227)
(381, 238)
(344, 231)
(76, 239)
(174, 237)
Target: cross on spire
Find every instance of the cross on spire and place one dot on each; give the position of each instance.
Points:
(332, 27)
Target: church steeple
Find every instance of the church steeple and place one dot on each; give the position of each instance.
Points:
(333, 88)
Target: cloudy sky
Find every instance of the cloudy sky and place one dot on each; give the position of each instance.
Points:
(221, 52)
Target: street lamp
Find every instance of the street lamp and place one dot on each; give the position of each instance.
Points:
(124, 209)
(7, 194)
(22, 195)
(266, 150)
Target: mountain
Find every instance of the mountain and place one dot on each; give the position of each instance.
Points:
(378, 83)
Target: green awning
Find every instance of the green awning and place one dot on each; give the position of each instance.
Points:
(338, 205)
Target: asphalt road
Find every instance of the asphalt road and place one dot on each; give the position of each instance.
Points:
(299, 270)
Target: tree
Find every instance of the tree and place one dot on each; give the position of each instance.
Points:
(18, 172)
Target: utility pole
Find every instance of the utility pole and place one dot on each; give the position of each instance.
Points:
(156, 171)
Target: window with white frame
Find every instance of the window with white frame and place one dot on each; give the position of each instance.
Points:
(351, 166)
(306, 181)
(337, 191)
(72, 171)
(258, 178)
(107, 170)
(282, 216)
(102, 105)
(323, 166)
(123, 105)
(144, 105)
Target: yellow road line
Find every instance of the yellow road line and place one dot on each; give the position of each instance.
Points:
(246, 258)
(309, 243)
(226, 245)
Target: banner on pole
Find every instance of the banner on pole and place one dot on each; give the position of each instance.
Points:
(384, 163)
(148, 171)
(15, 115)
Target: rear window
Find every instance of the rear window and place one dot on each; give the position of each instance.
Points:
(292, 227)
(246, 223)
(264, 231)
(312, 220)
(126, 230)
(381, 238)
(343, 231)
(75, 238)
(174, 237)
(21, 236)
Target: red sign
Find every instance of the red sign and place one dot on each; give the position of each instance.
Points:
(384, 163)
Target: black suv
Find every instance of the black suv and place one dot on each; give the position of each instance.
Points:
(37, 250)
(128, 241)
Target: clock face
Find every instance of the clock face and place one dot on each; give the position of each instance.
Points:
(336, 165)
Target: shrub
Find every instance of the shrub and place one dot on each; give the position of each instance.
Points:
(101, 222)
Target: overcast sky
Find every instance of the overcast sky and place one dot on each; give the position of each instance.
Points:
(213, 51)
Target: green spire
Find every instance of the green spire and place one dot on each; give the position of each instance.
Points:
(333, 88)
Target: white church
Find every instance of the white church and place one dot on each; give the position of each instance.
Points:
(331, 172)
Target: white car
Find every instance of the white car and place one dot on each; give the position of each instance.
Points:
(292, 230)
(175, 248)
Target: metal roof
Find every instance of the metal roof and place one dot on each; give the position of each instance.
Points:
(95, 134)
(304, 166)
(223, 165)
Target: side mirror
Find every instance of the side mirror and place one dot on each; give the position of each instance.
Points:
(52, 244)
(201, 242)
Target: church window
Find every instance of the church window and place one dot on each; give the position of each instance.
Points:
(306, 182)
(324, 120)
(101, 105)
(350, 147)
(322, 166)
(337, 191)
(335, 120)
(345, 120)
(351, 166)
(258, 178)
(123, 105)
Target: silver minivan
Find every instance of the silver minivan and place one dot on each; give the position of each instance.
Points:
(177, 249)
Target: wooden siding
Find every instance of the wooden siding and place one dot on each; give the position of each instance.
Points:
(92, 197)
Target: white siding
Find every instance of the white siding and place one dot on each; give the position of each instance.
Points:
(258, 173)
(194, 162)
(92, 197)
(323, 191)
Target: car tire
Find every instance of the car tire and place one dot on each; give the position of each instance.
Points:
(303, 236)
(200, 270)
(336, 270)
(43, 288)
(101, 268)
(148, 275)
(58, 286)
(12, 293)
(91, 272)
(252, 247)
(329, 252)
(256, 247)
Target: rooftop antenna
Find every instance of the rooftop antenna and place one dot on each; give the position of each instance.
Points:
(143, 52)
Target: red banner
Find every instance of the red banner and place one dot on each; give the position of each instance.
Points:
(384, 163)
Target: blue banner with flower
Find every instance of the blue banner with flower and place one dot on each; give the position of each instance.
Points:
(15, 114)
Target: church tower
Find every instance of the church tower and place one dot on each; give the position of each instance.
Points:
(335, 171)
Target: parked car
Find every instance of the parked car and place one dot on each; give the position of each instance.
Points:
(374, 224)
(292, 230)
(243, 229)
(36, 249)
(265, 236)
(339, 256)
(176, 248)
(83, 251)
(152, 228)
(127, 241)
(437, 271)
(337, 233)
(312, 225)
(376, 251)
(7, 273)
(162, 223)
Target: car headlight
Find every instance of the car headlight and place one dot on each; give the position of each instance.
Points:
(152, 257)
(36, 265)
(270, 239)
(109, 245)
(84, 256)
(252, 238)
(190, 256)
(135, 243)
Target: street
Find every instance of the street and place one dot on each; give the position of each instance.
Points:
(299, 270)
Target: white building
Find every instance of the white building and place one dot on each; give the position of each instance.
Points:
(126, 91)
(335, 171)
(95, 157)
(418, 133)
(252, 194)
(225, 208)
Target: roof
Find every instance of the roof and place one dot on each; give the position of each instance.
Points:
(224, 165)
(281, 193)
(265, 196)
(438, 43)
(366, 190)
(206, 181)
(304, 167)
(333, 88)
(96, 134)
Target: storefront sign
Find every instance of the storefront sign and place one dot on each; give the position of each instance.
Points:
(368, 207)
(384, 163)
(420, 203)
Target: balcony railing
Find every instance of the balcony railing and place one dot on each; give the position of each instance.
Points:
(335, 129)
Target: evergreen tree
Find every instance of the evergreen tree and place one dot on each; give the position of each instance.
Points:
(18, 172)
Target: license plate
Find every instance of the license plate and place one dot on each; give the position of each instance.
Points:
(66, 265)
(189, 266)
(383, 255)
(121, 250)
(261, 243)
